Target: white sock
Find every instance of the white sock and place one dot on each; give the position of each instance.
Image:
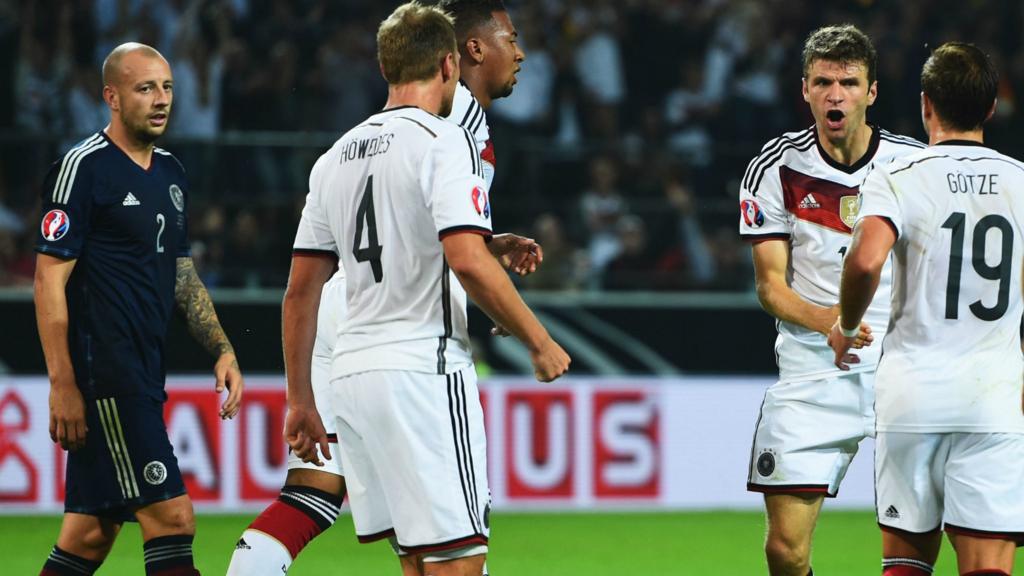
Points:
(258, 554)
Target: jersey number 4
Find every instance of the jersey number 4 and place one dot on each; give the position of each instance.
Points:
(372, 251)
(1000, 271)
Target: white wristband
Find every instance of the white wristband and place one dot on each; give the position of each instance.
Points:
(849, 333)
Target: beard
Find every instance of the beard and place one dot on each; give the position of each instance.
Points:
(142, 132)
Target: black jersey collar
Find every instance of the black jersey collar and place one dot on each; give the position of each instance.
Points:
(869, 154)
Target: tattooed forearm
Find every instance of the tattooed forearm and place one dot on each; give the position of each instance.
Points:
(194, 303)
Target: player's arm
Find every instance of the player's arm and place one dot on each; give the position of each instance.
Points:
(67, 409)
(492, 290)
(303, 428)
(194, 303)
(771, 261)
(873, 238)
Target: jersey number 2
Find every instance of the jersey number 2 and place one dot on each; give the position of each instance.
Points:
(372, 251)
(1000, 271)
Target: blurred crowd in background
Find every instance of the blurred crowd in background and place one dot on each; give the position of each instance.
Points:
(620, 149)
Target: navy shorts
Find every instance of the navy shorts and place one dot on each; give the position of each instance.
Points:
(127, 460)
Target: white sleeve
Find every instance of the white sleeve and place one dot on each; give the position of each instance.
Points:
(314, 233)
(878, 197)
(763, 214)
(454, 185)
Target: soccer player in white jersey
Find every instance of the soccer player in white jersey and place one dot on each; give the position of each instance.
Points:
(402, 202)
(950, 419)
(491, 58)
(798, 201)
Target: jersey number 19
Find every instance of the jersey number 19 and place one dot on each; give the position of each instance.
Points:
(1000, 271)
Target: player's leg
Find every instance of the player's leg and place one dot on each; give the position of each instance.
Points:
(984, 513)
(309, 502)
(82, 546)
(982, 556)
(791, 520)
(95, 488)
(805, 439)
(427, 442)
(909, 554)
(307, 506)
(909, 493)
(168, 529)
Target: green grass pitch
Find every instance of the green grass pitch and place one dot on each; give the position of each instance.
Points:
(564, 544)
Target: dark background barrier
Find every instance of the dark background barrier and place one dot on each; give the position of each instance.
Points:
(655, 334)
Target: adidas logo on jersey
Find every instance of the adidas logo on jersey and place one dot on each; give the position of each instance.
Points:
(809, 202)
(241, 545)
(131, 200)
(892, 512)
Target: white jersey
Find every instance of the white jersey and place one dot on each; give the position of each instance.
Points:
(330, 314)
(952, 360)
(795, 191)
(382, 198)
(468, 113)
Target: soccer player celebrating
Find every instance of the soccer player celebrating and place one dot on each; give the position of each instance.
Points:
(113, 263)
(798, 201)
(402, 201)
(312, 495)
(950, 448)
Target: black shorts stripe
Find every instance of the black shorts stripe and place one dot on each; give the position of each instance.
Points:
(791, 489)
(772, 153)
(446, 316)
(1017, 537)
(473, 539)
(753, 441)
(367, 538)
(467, 447)
(453, 415)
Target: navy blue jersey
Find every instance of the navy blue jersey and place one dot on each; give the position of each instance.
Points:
(125, 226)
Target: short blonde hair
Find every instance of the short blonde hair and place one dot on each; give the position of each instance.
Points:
(412, 41)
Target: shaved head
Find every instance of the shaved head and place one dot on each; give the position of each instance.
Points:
(114, 67)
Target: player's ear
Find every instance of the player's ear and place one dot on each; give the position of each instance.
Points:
(803, 90)
(111, 98)
(475, 50)
(872, 92)
(449, 67)
(992, 110)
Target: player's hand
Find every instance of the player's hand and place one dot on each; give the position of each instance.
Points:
(229, 376)
(516, 253)
(304, 432)
(549, 361)
(67, 416)
(841, 344)
(499, 330)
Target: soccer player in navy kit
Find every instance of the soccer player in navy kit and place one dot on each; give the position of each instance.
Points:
(113, 263)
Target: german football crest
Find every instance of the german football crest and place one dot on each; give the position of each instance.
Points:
(177, 198)
(849, 206)
(155, 473)
(766, 463)
(55, 225)
(481, 202)
(752, 215)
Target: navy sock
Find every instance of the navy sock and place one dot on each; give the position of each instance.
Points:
(62, 563)
(169, 555)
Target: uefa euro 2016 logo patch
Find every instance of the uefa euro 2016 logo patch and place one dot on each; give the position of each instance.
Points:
(481, 203)
(752, 214)
(55, 225)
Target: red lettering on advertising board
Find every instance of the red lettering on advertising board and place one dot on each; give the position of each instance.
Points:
(15, 422)
(538, 444)
(193, 426)
(264, 454)
(627, 455)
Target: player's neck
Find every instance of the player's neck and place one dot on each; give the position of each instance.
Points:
(473, 80)
(425, 95)
(850, 150)
(139, 152)
(937, 133)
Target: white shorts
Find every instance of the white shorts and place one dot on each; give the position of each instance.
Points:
(320, 375)
(971, 483)
(332, 309)
(415, 458)
(808, 433)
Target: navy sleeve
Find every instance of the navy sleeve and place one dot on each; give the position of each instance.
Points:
(67, 203)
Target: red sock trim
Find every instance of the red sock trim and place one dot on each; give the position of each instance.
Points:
(177, 571)
(986, 572)
(287, 525)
